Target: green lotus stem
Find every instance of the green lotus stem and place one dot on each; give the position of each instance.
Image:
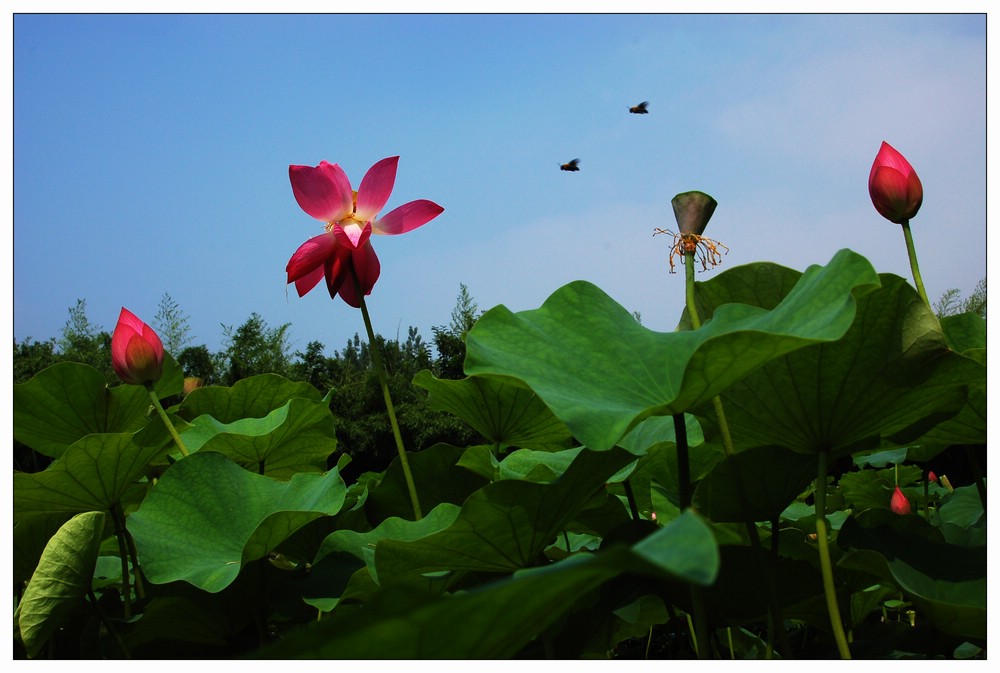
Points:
(826, 567)
(631, 499)
(123, 552)
(118, 514)
(380, 372)
(166, 419)
(911, 251)
(108, 624)
(775, 623)
(683, 461)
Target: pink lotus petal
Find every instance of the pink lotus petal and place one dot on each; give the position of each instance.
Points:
(890, 157)
(407, 217)
(375, 188)
(367, 267)
(310, 256)
(136, 350)
(352, 236)
(309, 281)
(324, 192)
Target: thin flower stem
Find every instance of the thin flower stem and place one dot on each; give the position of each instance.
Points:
(123, 552)
(166, 419)
(380, 372)
(118, 514)
(911, 251)
(763, 568)
(826, 567)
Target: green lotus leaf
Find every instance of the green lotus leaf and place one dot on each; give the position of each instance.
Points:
(61, 580)
(966, 334)
(207, 517)
(438, 479)
(253, 397)
(771, 477)
(505, 525)
(890, 377)
(496, 620)
(362, 545)
(93, 474)
(69, 400)
(504, 413)
(298, 436)
(601, 372)
(945, 582)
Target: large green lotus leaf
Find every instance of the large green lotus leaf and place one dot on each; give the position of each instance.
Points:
(93, 474)
(601, 372)
(945, 582)
(966, 334)
(891, 376)
(295, 437)
(496, 620)
(61, 580)
(504, 413)
(362, 544)
(656, 429)
(504, 525)
(253, 397)
(69, 400)
(438, 479)
(771, 477)
(207, 517)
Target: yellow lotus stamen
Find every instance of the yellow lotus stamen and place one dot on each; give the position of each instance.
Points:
(706, 250)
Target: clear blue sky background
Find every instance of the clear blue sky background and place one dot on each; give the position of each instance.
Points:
(151, 155)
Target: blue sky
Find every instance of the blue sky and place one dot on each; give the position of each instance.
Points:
(151, 155)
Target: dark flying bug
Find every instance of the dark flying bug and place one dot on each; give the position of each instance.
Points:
(570, 166)
(640, 109)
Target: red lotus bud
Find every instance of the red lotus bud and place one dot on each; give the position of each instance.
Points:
(136, 350)
(899, 502)
(894, 186)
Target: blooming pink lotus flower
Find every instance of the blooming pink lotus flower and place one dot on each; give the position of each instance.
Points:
(325, 193)
(136, 350)
(899, 503)
(894, 186)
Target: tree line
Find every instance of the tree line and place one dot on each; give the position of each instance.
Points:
(255, 347)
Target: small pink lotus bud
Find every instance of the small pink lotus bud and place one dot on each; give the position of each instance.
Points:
(931, 476)
(899, 502)
(136, 350)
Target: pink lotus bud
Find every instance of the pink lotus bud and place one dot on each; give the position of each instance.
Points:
(899, 503)
(136, 350)
(894, 186)
(931, 476)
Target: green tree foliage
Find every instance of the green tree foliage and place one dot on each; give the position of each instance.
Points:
(83, 341)
(255, 348)
(198, 361)
(450, 340)
(171, 325)
(951, 302)
(31, 357)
